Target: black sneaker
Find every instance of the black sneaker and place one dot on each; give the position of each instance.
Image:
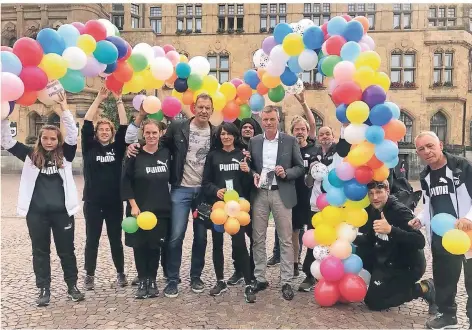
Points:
(259, 286)
(152, 290)
(171, 290)
(121, 280)
(89, 282)
(141, 291)
(307, 284)
(249, 294)
(44, 297)
(235, 279)
(287, 292)
(219, 288)
(197, 285)
(430, 296)
(273, 261)
(441, 321)
(296, 272)
(135, 281)
(74, 293)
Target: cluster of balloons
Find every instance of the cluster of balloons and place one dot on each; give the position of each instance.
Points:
(454, 241)
(145, 220)
(232, 213)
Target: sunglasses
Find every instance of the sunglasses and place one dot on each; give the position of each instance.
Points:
(376, 185)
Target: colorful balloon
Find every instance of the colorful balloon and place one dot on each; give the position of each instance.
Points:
(12, 87)
(51, 41)
(29, 51)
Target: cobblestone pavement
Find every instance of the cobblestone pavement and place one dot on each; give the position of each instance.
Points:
(111, 307)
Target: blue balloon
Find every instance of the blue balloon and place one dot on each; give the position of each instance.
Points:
(120, 45)
(106, 52)
(354, 190)
(393, 163)
(334, 180)
(256, 102)
(320, 63)
(375, 134)
(313, 37)
(219, 228)
(350, 51)
(353, 264)
(11, 63)
(111, 67)
(442, 223)
(336, 26)
(51, 41)
(69, 33)
(293, 65)
(180, 85)
(281, 30)
(394, 108)
(182, 70)
(341, 113)
(386, 151)
(288, 78)
(380, 114)
(354, 31)
(251, 78)
(12, 106)
(336, 197)
(327, 186)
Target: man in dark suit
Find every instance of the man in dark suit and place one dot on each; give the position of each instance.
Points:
(276, 162)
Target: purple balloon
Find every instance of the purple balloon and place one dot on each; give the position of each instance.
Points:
(374, 95)
(158, 51)
(12, 106)
(93, 68)
(268, 44)
(138, 100)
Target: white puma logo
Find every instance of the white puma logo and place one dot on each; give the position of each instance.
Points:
(162, 163)
(68, 227)
(442, 180)
(235, 160)
(377, 283)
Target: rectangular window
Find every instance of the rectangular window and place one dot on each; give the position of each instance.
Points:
(326, 8)
(118, 21)
(371, 19)
(437, 75)
(316, 20)
(396, 61)
(371, 7)
(189, 10)
(409, 61)
(448, 76)
(117, 7)
(441, 23)
(396, 21)
(198, 10)
(282, 8)
(451, 22)
(198, 24)
(273, 8)
(213, 73)
(212, 61)
(282, 19)
(351, 7)
(135, 22)
(318, 76)
(180, 24)
(156, 11)
(306, 77)
(134, 9)
(224, 76)
(224, 62)
(432, 23)
(448, 60)
(442, 12)
(432, 12)
(316, 8)
(407, 21)
(156, 25)
(406, 6)
(230, 9)
(189, 24)
(395, 76)
(360, 7)
(240, 9)
(326, 19)
(221, 23)
(263, 9)
(437, 60)
(240, 23)
(230, 23)
(409, 76)
(397, 7)
(180, 10)
(221, 10)
(307, 8)
(273, 22)
(263, 22)
(451, 12)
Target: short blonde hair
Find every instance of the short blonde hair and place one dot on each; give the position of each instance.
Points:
(105, 121)
(297, 120)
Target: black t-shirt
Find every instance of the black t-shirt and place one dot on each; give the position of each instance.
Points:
(303, 192)
(440, 189)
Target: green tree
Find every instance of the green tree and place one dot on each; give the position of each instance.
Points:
(110, 111)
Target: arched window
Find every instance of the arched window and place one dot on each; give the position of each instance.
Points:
(409, 127)
(53, 119)
(35, 123)
(438, 124)
(318, 121)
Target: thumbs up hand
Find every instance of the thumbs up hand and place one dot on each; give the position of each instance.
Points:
(244, 166)
(382, 226)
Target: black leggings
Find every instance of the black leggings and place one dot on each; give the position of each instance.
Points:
(309, 253)
(248, 230)
(147, 261)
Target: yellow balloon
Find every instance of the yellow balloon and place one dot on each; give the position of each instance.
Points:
(149, 81)
(382, 79)
(177, 94)
(357, 112)
(317, 219)
(355, 216)
(362, 204)
(368, 58)
(364, 77)
(136, 84)
(146, 220)
(228, 90)
(325, 234)
(54, 66)
(270, 81)
(210, 83)
(293, 44)
(125, 90)
(87, 43)
(332, 215)
(183, 59)
(456, 241)
(361, 154)
(219, 101)
(200, 91)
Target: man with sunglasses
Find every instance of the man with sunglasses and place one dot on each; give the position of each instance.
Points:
(397, 252)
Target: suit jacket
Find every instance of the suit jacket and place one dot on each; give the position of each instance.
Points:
(288, 156)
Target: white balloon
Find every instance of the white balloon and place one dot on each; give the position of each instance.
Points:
(144, 49)
(295, 89)
(260, 59)
(308, 60)
(161, 68)
(48, 95)
(315, 270)
(296, 28)
(365, 275)
(305, 23)
(369, 41)
(355, 133)
(320, 252)
(275, 69)
(199, 65)
(319, 171)
(278, 55)
(347, 232)
(75, 58)
(5, 109)
(108, 26)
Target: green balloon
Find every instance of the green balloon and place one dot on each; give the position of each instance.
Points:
(245, 111)
(129, 225)
(329, 63)
(194, 82)
(156, 116)
(276, 94)
(138, 62)
(117, 32)
(73, 81)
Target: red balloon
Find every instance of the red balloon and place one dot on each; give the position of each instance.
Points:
(334, 45)
(128, 53)
(29, 51)
(347, 92)
(96, 29)
(34, 78)
(79, 26)
(231, 111)
(6, 49)
(168, 48)
(374, 163)
(113, 84)
(326, 293)
(363, 174)
(347, 17)
(192, 108)
(324, 28)
(28, 98)
(343, 300)
(353, 288)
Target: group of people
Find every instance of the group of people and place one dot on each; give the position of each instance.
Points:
(171, 174)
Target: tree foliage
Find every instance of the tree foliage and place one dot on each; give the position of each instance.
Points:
(110, 111)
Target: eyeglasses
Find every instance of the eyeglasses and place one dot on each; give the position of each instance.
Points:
(375, 184)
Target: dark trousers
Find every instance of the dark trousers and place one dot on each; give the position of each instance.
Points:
(446, 273)
(309, 253)
(240, 254)
(94, 214)
(248, 230)
(276, 250)
(147, 261)
(39, 227)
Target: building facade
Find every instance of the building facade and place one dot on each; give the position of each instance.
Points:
(425, 49)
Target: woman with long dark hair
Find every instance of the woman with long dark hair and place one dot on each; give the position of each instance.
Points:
(226, 168)
(48, 199)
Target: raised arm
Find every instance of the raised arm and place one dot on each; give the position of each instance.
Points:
(308, 114)
(72, 132)
(17, 149)
(133, 128)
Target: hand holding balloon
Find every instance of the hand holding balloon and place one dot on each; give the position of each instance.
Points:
(463, 224)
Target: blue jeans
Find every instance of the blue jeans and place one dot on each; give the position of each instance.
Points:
(182, 202)
(276, 250)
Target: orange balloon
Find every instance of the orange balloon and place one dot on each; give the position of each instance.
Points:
(243, 218)
(231, 110)
(470, 236)
(28, 98)
(374, 163)
(218, 216)
(245, 205)
(261, 89)
(218, 205)
(270, 81)
(187, 97)
(244, 91)
(172, 79)
(364, 21)
(394, 130)
(232, 226)
(381, 173)
(123, 72)
(260, 73)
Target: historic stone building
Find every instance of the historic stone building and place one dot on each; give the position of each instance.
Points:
(425, 49)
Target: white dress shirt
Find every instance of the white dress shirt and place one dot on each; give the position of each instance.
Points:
(269, 154)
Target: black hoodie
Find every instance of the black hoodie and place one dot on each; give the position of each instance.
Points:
(255, 125)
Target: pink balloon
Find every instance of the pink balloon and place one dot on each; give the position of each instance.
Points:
(79, 26)
(309, 239)
(158, 51)
(168, 48)
(236, 82)
(364, 47)
(323, 48)
(6, 49)
(332, 269)
(171, 106)
(173, 56)
(368, 41)
(321, 202)
(344, 71)
(93, 68)
(332, 85)
(345, 171)
(12, 87)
